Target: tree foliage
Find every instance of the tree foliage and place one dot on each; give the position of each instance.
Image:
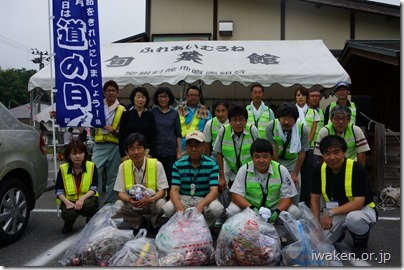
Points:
(14, 86)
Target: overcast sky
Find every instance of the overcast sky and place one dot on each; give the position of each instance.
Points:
(24, 25)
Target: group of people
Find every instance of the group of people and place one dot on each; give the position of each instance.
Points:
(245, 156)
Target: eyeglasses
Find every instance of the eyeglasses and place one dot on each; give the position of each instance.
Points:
(193, 95)
(162, 97)
(338, 118)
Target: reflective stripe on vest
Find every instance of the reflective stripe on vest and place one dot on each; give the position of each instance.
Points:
(254, 191)
(214, 130)
(348, 182)
(193, 125)
(349, 138)
(229, 149)
(99, 137)
(352, 107)
(320, 125)
(261, 123)
(279, 141)
(150, 174)
(70, 183)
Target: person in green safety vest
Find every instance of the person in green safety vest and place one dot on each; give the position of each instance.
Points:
(265, 183)
(343, 184)
(314, 120)
(232, 149)
(147, 173)
(76, 185)
(352, 134)
(289, 138)
(220, 109)
(259, 114)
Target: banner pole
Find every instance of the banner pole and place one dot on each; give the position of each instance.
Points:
(53, 119)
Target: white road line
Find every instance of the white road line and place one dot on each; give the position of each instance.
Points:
(45, 210)
(52, 253)
(389, 218)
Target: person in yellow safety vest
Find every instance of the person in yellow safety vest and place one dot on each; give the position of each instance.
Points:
(342, 91)
(232, 149)
(259, 114)
(149, 175)
(264, 183)
(106, 149)
(289, 138)
(220, 109)
(343, 184)
(76, 185)
(352, 134)
(193, 114)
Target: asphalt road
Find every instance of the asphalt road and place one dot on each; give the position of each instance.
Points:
(43, 243)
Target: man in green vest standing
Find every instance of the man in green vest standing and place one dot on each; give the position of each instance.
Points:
(289, 138)
(342, 91)
(232, 149)
(343, 184)
(352, 134)
(259, 114)
(148, 173)
(193, 115)
(311, 160)
(263, 182)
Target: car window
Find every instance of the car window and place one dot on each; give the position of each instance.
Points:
(8, 121)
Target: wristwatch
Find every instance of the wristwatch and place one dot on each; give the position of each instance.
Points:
(330, 214)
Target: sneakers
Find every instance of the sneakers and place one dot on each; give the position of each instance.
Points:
(143, 225)
(68, 227)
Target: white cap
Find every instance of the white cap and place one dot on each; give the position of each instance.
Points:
(195, 135)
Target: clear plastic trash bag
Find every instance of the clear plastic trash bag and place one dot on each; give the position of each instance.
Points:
(245, 239)
(185, 240)
(310, 241)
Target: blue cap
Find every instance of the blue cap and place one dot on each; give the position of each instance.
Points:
(342, 84)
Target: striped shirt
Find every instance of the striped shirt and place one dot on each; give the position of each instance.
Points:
(203, 177)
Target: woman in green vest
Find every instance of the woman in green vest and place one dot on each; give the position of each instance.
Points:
(76, 185)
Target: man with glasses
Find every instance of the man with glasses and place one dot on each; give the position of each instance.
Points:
(193, 115)
(232, 147)
(194, 182)
(342, 126)
(106, 149)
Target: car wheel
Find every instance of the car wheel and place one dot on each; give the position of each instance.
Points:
(14, 210)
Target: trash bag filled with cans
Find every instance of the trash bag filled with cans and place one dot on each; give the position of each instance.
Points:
(185, 240)
(246, 240)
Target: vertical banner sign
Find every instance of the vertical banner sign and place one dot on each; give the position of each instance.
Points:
(79, 97)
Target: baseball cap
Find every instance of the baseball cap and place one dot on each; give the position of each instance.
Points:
(342, 84)
(195, 135)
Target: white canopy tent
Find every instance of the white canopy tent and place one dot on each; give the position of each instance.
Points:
(287, 63)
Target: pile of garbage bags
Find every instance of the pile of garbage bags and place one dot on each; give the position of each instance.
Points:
(185, 240)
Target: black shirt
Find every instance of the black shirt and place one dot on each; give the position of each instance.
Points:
(335, 186)
(131, 123)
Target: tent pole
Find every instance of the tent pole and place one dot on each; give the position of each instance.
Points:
(52, 99)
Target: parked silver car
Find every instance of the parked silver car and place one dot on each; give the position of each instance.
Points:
(23, 174)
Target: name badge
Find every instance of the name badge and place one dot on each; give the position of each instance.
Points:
(332, 204)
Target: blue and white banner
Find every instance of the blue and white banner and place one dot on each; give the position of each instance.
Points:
(79, 97)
